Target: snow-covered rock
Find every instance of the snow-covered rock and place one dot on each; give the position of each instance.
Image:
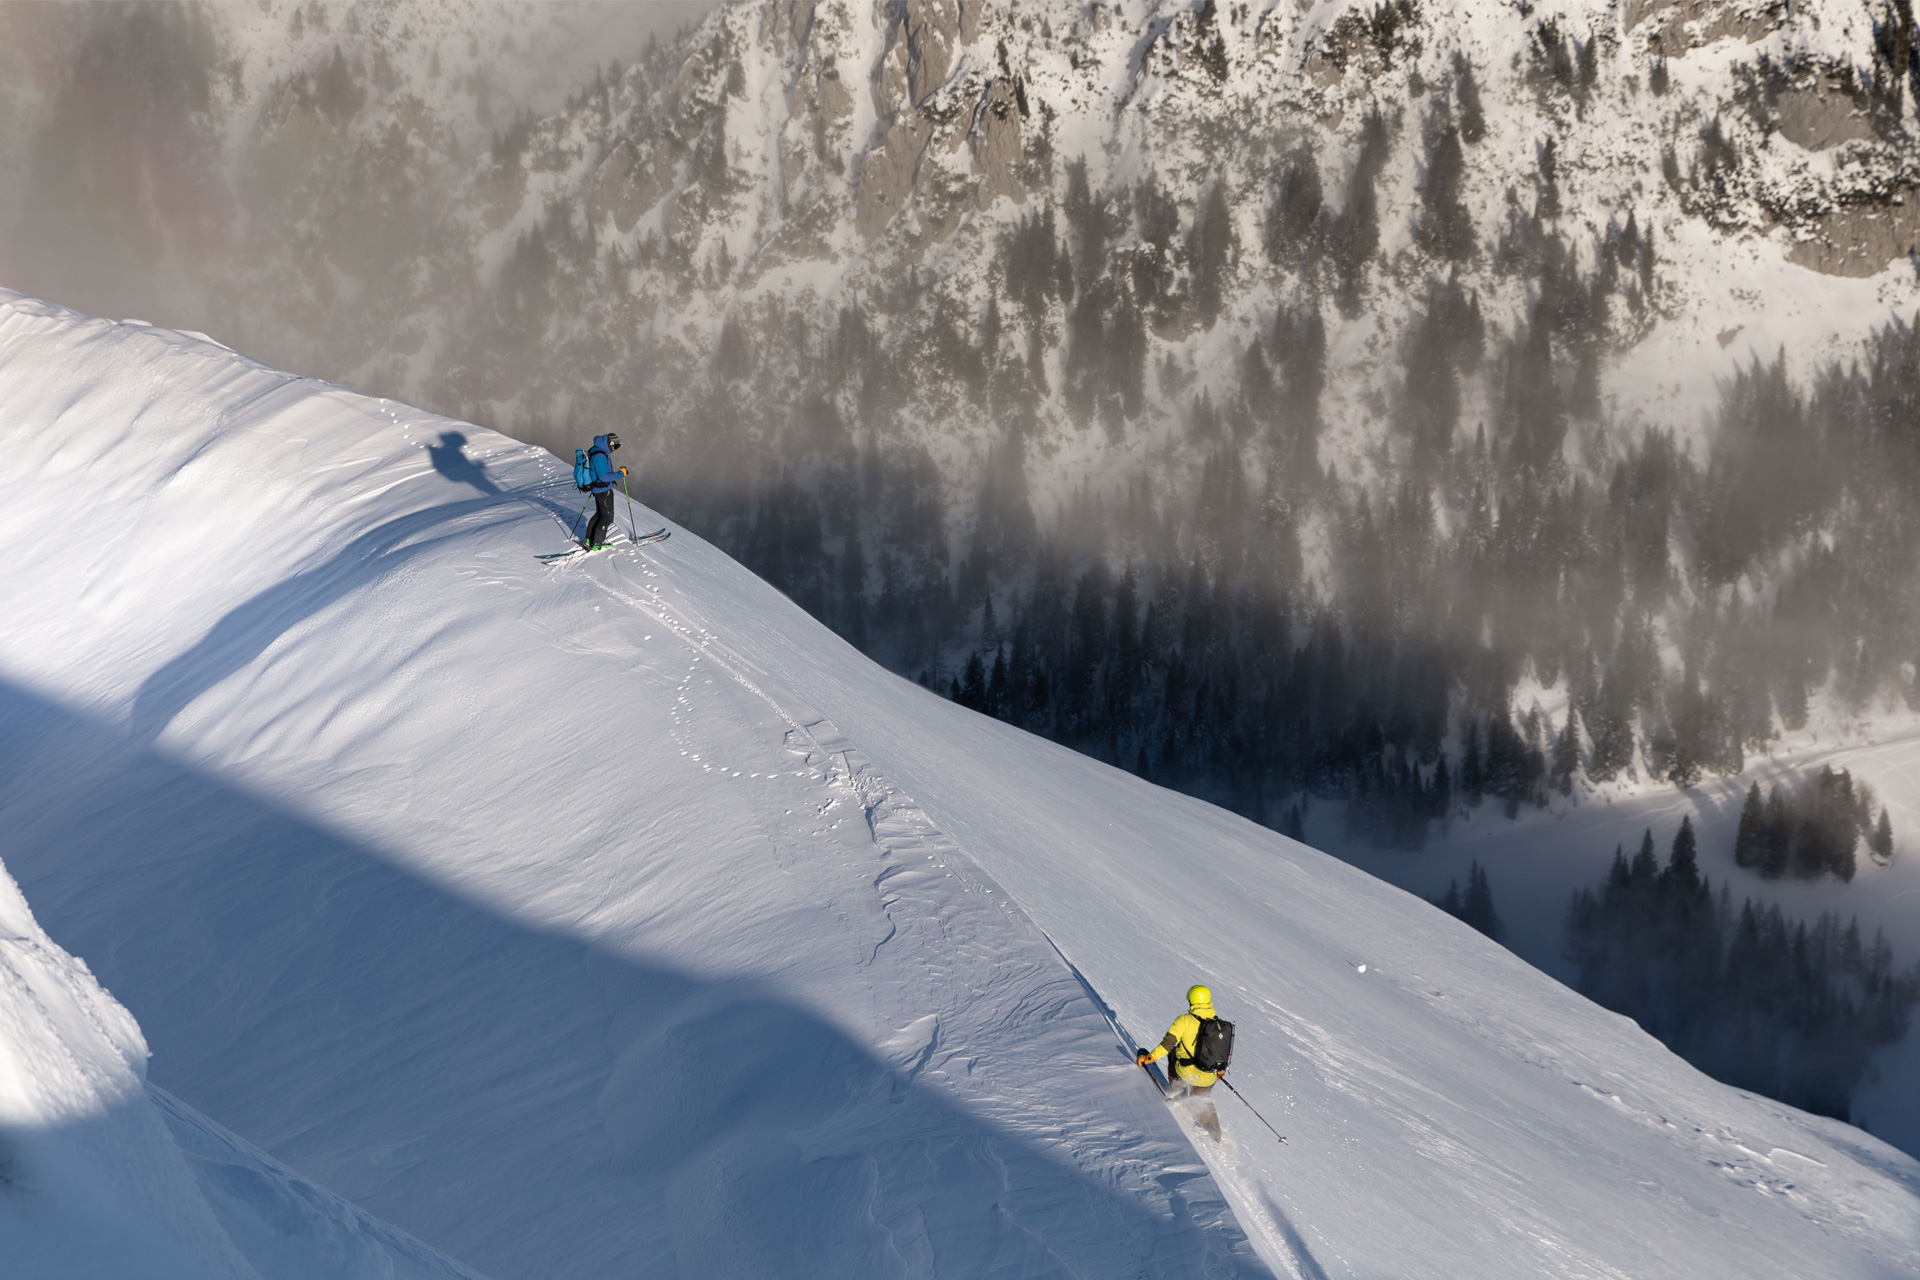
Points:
(795, 159)
(618, 916)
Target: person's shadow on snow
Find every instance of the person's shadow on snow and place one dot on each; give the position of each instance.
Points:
(450, 460)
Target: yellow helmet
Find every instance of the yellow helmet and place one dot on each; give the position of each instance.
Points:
(1197, 996)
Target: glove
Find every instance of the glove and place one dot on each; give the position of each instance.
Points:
(623, 471)
(1142, 1057)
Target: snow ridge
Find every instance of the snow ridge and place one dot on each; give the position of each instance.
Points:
(619, 914)
(932, 936)
(462, 1019)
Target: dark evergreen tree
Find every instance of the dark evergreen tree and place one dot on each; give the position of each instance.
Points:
(1749, 844)
(1087, 222)
(1610, 721)
(1294, 217)
(1441, 344)
(1473, 118)
(1477, 908)
(1790, 1011)
(1446, 227)
(1212, 250)
(1473, 773)
(1566, 752)
(1683, 862)
(1645, 868)
(1777, 830)
(1474, 907)
(971, 691)
(1356, 232)
(1508, 774)
(1549, 182)
(1299, 349)
(1689, 746)
(1532, 413)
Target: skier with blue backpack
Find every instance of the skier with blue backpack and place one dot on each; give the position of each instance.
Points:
(594, 472)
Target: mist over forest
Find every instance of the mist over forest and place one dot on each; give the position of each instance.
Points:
(1289, 440)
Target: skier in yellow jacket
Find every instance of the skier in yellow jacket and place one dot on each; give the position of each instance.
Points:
(1181, 1041)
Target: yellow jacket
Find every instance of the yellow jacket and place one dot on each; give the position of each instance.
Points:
(1180, 1040)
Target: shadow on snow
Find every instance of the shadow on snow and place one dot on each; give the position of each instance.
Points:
(534, 1104)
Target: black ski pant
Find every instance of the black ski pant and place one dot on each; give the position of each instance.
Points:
(1203, 1113)
(602, 518)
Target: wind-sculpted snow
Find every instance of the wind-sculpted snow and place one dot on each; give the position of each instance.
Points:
(535, 917)
(101, 1175)
(618, 918)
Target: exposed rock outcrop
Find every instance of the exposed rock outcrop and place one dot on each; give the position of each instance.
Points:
(626, 186)
(1821, 114)
(1862, 239)
(1679, 25)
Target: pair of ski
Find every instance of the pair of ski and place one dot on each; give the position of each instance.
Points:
(1126, 1042)
(1169, 1095)
(1166, 1092)
(581, 553)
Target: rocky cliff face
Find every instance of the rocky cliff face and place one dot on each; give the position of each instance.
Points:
(1405, 404)
(810, 159)
(1426, 322)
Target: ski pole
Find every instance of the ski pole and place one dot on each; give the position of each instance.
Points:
(633, 521)
(573, 528)
(1148, 1068)
(1256, 1111)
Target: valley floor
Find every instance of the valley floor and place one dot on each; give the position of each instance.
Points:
(1537, 861)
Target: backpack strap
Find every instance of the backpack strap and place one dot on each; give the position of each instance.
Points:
(597, 481)
(1181, 1056)
(1198, 1031)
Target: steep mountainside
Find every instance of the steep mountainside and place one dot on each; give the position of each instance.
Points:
(618, 915)
(1365, 416)
(923, 307)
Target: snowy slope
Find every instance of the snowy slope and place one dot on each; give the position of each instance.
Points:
(101, 1175)
(618, 918)
(1537, 862)
(448, 943)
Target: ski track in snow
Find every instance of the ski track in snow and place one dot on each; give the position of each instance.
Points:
(878, 968)
(436, 871)
(920, 872)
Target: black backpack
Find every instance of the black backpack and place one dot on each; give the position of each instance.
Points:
(1212, 1046)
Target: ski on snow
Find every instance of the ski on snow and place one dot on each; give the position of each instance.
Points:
(658, 535)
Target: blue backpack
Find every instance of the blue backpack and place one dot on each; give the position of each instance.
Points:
(582, 472)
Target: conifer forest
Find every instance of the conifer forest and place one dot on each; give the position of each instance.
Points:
(1787, 1009)
(1300, 407)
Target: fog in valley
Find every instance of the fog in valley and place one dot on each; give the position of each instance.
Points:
(133, 178)
(1297, 465)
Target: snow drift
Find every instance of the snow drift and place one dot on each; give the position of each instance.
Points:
(617, 917)
(101, 1177)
